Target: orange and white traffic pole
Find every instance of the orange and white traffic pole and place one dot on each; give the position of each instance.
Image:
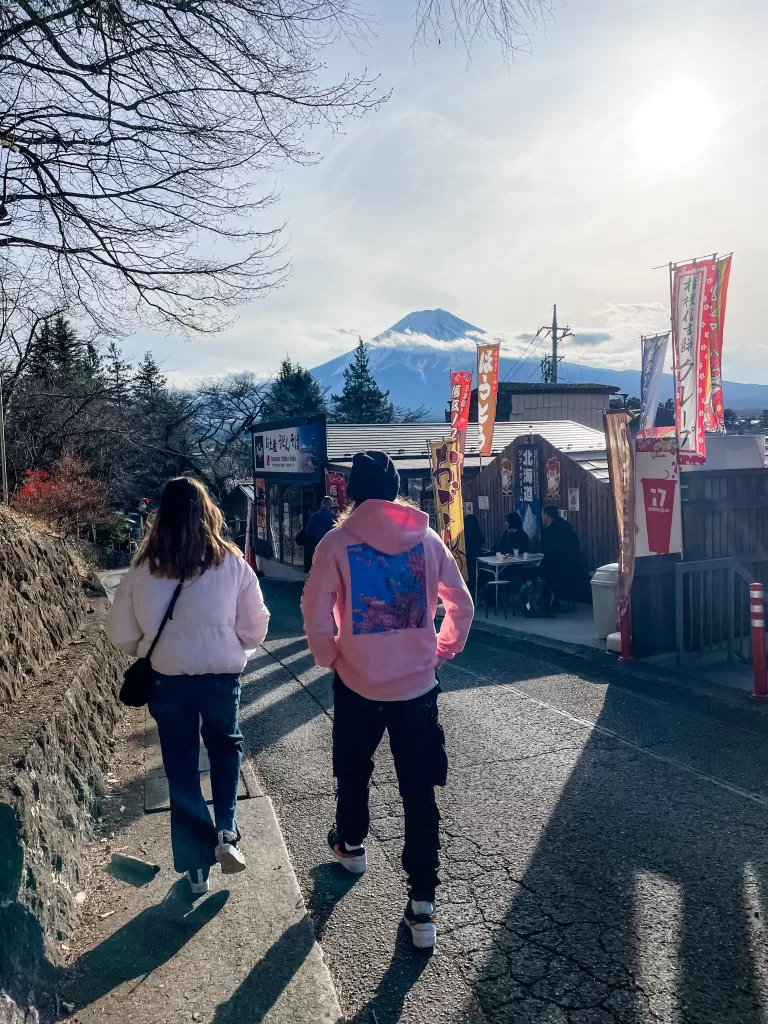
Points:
(757, 619)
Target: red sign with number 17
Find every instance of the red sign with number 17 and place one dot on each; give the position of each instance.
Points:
(659, 498)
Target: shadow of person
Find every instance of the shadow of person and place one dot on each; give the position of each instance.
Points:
(261, 989)
(330, 884)
(146, 942)
(406, 967)
(632, 896)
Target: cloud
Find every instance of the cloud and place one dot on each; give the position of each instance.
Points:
(586, 337)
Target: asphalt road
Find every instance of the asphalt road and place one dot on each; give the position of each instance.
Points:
(605, 843)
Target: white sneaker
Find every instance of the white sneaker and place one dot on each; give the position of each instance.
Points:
(355, 860)
(420, 917)
(198, 882)
(228, 855)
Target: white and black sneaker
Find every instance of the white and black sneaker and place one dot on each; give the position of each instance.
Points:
(228, 855)
(198, 881)
(420, 917)
(350, 857)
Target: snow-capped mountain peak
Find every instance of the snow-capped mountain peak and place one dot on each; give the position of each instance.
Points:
(434, 323)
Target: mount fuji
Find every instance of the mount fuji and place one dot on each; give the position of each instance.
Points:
(412, 360)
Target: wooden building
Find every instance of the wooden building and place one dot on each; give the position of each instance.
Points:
(526, 403)
(583, 483)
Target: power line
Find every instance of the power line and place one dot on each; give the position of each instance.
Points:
(520, 359)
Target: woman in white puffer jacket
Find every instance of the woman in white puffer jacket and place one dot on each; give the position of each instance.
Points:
(219, 615)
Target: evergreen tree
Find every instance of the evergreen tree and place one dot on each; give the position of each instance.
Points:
(294, 392)
(59, 355)
(119, 374)
(148, 382)
(362, 400)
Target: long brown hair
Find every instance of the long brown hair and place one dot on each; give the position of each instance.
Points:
(186, 534)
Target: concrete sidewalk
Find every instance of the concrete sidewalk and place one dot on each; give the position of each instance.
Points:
(146, 954)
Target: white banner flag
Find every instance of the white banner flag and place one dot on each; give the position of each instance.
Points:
(654, 355)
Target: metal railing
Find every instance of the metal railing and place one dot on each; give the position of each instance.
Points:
(712, 609)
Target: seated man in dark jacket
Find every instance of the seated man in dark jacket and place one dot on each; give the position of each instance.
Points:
(514, 537)
(562, 566)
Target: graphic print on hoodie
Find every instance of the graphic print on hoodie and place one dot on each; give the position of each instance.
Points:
(377, 577)
(388, 592)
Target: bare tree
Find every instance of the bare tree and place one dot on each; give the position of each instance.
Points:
(131, 133)
(509, 22)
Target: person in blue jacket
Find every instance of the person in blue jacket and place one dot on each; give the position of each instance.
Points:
(318, 524)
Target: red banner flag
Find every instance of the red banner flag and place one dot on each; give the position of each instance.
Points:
(461, 390)
(692, 288)
(487, 390)
(714, 413)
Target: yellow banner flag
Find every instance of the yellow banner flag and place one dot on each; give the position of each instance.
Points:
(449, 508)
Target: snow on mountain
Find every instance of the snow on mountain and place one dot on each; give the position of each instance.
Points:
(434, 323)
(412, 360)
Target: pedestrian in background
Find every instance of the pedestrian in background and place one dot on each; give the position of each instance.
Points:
(218, 616)
(318, 524)
(379, 575)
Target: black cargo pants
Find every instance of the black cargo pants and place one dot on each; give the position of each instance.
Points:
(418, 747)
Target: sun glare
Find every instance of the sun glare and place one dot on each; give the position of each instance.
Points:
(674, 126)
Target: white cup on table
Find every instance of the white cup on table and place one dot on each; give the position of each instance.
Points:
(525, 556)
(516, 553)
(499, 556)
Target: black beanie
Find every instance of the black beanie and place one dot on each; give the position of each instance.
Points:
(373, 476)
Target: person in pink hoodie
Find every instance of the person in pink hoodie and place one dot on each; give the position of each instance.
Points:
(378, 576)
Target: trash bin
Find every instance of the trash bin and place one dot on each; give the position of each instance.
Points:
(604, 601)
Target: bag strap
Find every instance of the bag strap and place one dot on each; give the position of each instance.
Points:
(168, 615)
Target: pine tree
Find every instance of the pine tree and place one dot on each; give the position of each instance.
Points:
(119, 374)
(294, 392)
(148, 382)
(362, 400)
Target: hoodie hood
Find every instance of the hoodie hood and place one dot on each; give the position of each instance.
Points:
(387, 526)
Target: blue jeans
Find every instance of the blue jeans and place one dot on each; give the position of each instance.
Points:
(178, 704)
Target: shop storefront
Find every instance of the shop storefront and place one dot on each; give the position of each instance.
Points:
(289, 460)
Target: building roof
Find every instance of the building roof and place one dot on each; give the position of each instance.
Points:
(411, 440)
(562, 387)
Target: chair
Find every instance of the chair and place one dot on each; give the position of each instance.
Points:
(497, 585)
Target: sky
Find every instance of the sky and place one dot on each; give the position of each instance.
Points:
(632, 134)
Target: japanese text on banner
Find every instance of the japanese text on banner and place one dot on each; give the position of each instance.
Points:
(461, 390)
(449, 509)
(621, 477)
(692, 287)
(487, 391)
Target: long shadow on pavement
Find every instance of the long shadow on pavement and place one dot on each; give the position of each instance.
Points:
(146, 942)
(636, 889)
(263, 986)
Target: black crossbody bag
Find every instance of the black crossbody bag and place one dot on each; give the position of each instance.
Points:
(140, 677)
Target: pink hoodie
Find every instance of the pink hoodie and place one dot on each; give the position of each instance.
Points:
(379, 575)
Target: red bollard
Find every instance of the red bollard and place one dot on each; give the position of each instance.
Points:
(757, 618)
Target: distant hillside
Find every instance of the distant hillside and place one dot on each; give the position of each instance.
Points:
(415, 372)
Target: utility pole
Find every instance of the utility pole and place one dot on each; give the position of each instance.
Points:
(550, 363)
(3, 471)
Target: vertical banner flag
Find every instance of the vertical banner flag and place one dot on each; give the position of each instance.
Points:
(658, 522)
(336, 488)
(529, 489)
(654, 355)
(714, 412)
(461, 391)
(249, 557)
(487, 390)
(692, 287)
(621, 478)
(449, 508)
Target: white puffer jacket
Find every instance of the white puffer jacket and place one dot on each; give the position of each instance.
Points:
(218, 617)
